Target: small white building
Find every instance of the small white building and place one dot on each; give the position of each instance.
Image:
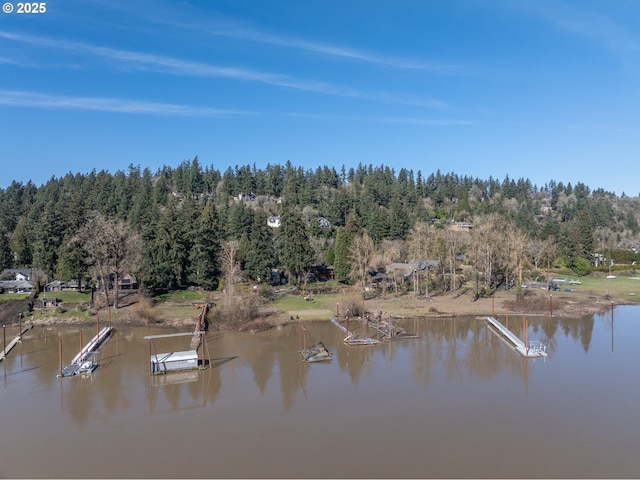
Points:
(273, 221)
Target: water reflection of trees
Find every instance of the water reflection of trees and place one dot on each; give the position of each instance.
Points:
(456, 347)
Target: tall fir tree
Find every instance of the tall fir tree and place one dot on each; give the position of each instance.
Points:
(342, 255)
(295, 252)
(261, 257)
(203, 268)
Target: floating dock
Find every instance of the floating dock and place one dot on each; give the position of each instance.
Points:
(85, 360)
(17, 339)
(353, 339)
(531, 350)
(391, 332)
(176, 361)
(317, 353)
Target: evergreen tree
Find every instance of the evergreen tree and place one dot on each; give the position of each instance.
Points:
(294, 250)
(71, 261)
(5, 252)
(47, 234)
(203, 256)
(342, 255)
(166, 252)
(585, 235)
(261, 257)
(20, 244)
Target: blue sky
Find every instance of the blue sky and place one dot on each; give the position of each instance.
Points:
(536, 89)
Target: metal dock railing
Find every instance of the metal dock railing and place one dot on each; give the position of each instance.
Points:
(531, 350)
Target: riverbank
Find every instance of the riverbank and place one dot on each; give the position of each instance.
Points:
(179, 311)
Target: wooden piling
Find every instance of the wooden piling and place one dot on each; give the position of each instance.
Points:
(507, 320)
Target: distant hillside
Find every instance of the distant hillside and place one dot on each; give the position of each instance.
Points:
(195, 226)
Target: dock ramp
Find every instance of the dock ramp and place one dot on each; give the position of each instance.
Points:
(532, 349)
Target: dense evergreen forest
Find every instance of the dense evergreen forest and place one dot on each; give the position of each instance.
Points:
(195, 226)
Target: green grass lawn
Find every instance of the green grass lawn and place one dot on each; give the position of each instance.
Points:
(67, 296)
(7, 297)
(623, 286)
(182, 296)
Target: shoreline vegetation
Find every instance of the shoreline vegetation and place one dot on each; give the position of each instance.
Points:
(258, 308)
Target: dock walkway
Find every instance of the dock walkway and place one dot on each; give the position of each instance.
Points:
(84, 361)
(534, 349)
(353, 339)
(392, 332)
(17, 339)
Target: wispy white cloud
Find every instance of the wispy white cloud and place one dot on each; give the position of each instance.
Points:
(233, 28)
(396, 120)
(18, 98)
(14, 62)
(338, 51)
(577, 19)
(426, 121)
(175, 66)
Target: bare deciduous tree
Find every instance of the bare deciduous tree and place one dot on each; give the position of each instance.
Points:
(418, 247)
(111, 248)
(362, 253)
(230, 268)
(518, 244)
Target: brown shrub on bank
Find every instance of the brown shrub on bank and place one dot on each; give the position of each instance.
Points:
(236, 314)
(353, 306)
(144, 309)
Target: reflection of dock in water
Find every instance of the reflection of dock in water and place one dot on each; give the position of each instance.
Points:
(17, 339)
(351, 338)
(531, 349)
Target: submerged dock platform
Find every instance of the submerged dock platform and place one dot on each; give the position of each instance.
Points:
(531, 350)
(17, 339)
(353, 339)
(392, 332)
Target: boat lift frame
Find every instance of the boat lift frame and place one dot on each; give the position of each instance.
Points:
(154, 354)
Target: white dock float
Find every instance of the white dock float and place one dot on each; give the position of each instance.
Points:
(161, 363)
(174, 361)
(534, 349)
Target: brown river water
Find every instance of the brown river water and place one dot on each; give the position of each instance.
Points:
(454, 403)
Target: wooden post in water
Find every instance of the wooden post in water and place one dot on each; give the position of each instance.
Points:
(493, 306)
(81, 341)
(98, 325)
(337, 310)
(20, 326)
(109, 314)
(347, 322)
(60, 354)
(551, 304)
(507, 321)
(526, 333)
(611, 326)
(4, 340)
